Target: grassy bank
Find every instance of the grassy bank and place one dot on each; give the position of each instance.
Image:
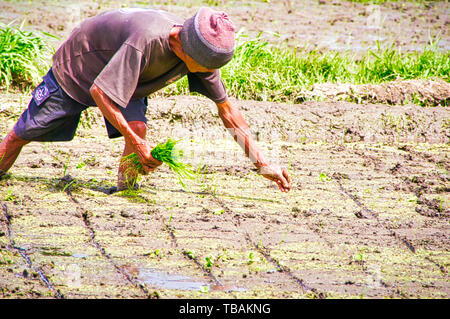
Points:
(261, 71)
(24, 56)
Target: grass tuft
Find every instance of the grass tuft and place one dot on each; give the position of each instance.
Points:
(24, 55)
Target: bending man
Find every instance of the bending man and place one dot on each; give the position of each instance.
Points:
(114, 61)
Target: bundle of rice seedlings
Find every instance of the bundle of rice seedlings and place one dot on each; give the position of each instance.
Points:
(168, 154)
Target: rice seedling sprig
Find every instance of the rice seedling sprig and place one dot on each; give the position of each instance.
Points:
(168, 154)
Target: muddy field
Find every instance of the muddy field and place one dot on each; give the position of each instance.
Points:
(312, 24)
(367, 216)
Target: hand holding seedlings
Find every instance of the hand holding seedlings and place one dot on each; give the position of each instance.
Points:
(163, 153)
(148, 162)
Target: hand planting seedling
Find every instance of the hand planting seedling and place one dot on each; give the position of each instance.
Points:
(166, 153)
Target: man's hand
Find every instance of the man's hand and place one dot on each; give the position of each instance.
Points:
(277, 175)
(143, 150)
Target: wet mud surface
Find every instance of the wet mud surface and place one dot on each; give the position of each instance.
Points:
(312, 24)
(367, 215)
(343, 26)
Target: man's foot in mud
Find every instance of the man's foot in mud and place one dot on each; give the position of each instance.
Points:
(114, 189)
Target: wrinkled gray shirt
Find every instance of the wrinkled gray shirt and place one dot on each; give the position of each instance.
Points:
(126, 54)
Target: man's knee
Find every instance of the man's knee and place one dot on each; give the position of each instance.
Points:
(12, 139)
(139, 127)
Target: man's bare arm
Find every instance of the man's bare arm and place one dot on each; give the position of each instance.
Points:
(238, 127)
(114, 116)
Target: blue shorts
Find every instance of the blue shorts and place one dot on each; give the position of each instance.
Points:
(53, 116)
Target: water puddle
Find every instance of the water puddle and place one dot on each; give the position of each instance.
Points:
(79, 255)
(179, 282)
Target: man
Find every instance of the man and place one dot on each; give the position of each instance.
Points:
(115, 60)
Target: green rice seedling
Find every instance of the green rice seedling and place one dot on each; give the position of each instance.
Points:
(204, 289)
(66, 165)
(170, 219)
(24, 55)
(206, 181)
(324, 178)
(168, 154)
(251, 258)
(10, 196)
(209, 262)
(81, 165)
(6, 257)
(88, 117)
(360, 257)
(189, 254)
(157, 253)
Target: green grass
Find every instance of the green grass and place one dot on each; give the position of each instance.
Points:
(259, 70)
(265, 72)
(24, 56)
(262, 71)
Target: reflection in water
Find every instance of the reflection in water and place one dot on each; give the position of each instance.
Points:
(153, 278)
(180, 282)
(79, 255)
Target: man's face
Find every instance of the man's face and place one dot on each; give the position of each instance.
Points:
(194, 66)
(191, 64)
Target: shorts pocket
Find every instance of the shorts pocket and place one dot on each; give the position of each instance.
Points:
(44, 90)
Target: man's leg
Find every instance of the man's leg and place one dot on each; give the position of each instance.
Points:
(10, 149)
(127, 176)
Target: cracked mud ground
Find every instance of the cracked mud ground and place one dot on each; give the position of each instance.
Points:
(368, 214)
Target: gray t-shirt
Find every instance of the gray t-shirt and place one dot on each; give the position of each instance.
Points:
(126, 53)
